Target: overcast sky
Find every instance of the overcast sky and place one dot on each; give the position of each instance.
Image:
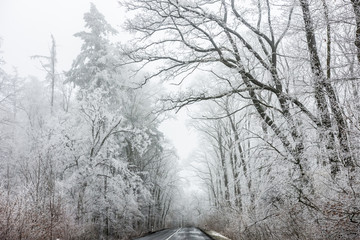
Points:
(26, 26)
(25, 29)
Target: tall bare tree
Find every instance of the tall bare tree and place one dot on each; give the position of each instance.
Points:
(50, 68)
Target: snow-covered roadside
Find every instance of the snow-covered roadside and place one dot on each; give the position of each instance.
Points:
(216, 235)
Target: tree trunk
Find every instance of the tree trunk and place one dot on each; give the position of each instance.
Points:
(324, 88)
(224, 167)
(356, 7)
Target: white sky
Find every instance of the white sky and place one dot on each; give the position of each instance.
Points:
(183, 138)
(25, 29)
(26, 25)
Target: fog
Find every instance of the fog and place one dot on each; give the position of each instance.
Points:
(119, 119)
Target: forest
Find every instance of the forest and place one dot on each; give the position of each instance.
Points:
(272, 90)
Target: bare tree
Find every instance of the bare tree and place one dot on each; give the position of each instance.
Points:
(50, 68)
(285, 71)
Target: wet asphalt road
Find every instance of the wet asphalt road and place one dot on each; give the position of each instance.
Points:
(188, 233)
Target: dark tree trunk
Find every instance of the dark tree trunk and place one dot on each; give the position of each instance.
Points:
(323, 89)
(356, 7)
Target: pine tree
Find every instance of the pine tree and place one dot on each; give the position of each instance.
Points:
(95, 66)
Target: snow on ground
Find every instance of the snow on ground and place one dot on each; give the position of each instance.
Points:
(216, 235)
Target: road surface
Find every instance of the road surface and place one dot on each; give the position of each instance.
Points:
(188, 233)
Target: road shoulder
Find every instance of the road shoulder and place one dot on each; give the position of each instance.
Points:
(215, 235)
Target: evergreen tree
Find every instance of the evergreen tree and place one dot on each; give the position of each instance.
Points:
(95, 66)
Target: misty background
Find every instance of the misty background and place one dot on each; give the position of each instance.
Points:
(121, 118)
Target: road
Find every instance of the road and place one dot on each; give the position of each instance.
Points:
(188, 233)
